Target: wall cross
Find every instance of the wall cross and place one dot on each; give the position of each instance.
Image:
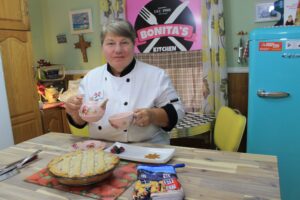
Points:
(82, 45)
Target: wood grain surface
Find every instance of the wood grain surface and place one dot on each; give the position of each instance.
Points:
(208, 174)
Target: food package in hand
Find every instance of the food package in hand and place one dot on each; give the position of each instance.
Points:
(157, 183)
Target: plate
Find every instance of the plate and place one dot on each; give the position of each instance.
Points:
(88, 144)
(144, 154)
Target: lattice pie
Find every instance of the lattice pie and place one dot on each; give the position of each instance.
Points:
(83, 163)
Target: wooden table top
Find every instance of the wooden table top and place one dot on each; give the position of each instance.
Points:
(208, 174)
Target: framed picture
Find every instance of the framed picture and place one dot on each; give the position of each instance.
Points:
(265, 12)
(81, 21)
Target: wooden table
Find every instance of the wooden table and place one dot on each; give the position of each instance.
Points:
(208, 174)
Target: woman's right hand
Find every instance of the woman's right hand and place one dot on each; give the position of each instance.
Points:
(72, 106)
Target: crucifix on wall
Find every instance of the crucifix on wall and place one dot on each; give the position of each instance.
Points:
(82, 45)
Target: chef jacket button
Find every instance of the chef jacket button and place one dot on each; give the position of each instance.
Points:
(128, 80)
(99, 128)
(125, 103)
(125, 130)
(105, 78)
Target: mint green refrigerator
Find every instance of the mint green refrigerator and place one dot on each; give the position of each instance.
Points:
(274, 102)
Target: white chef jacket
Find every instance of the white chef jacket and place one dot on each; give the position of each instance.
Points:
(146, 86)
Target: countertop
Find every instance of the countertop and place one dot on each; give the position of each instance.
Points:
(208, 174)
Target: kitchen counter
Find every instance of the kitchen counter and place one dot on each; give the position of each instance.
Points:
(208, 174)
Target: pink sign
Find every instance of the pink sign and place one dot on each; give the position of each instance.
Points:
(169, 25)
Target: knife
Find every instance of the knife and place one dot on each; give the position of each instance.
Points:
(9, 174)
(170, 20)
(176, 12)
(20, 163)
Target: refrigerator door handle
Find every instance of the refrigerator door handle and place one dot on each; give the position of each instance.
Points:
(264, 94)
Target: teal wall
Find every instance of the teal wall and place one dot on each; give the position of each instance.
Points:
(51, 17)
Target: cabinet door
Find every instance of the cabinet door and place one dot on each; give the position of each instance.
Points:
(54, 120)
(14, 15)
(15, 47)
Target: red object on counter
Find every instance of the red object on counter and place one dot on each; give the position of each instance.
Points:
(123, 176)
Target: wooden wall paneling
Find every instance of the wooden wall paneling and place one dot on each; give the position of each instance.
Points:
(238, 92)
(238, 98)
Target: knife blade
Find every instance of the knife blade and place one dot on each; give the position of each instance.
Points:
(10, 164)
(176, 12)
(8, 174)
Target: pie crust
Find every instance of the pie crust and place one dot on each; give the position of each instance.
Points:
(83, 163)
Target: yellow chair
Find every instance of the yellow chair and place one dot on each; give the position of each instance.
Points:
(229, 128)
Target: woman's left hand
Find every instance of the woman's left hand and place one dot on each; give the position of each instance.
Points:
(142, 117)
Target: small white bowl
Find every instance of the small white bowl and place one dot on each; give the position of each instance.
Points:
(121, 121)
(91, 111)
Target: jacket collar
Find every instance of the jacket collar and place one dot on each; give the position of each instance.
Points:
(126, 71)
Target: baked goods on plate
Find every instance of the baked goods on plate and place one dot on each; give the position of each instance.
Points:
(83, 167)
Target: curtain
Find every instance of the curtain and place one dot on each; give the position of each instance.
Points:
(213, 57)
(185, 71)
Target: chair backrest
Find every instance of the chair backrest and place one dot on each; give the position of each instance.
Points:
(229, 129)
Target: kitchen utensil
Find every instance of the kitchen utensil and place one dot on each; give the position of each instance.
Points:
(92, 111)
(13, 168)
(9, 174)
(121, 121)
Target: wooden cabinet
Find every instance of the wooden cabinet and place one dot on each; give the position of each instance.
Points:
(22, 97)
(14, 15)
(16, 52)
(54, 120)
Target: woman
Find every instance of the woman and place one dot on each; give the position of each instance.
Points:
(130, 85)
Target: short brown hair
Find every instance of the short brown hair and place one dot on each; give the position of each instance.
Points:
(119, 27)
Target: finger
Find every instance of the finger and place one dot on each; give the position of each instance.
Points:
(80, 97)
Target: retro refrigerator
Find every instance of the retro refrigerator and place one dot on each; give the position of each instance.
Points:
(274, 102)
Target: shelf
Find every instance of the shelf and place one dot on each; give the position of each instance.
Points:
(51, 73)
